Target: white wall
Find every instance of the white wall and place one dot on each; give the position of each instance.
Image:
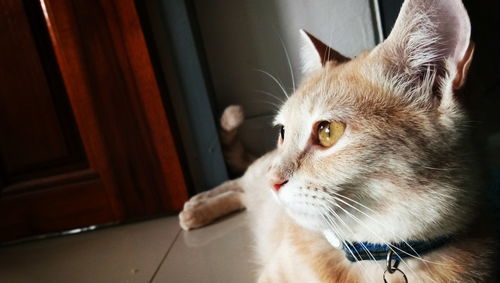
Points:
(242, 36)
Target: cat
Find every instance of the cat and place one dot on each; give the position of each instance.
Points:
(373, 177)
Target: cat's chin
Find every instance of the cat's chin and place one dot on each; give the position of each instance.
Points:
(303, 214)
(308, 221)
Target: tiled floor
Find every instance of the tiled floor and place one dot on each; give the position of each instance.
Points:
(152, 251)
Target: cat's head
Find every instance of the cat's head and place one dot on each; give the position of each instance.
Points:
(372, 147)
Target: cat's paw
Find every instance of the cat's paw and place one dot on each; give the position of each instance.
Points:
(232, 117)
(187, 205)
(204, 196)
(185, 219)
(199, 197)
(191, 218)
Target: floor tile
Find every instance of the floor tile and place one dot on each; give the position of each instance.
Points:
(129, 253)
(220, 253)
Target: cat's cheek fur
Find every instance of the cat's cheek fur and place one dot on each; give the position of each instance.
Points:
(306, 207)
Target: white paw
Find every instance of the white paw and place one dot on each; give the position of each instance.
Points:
(232, 117)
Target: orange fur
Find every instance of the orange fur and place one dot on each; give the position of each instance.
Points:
(401, 171)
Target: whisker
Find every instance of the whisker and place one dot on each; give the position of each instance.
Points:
(378, 223)
(442, 195)
(344, 243)
(270, 94)
(275, 80)
(331, 222)
(288, 60)
(365, 214)
(371, 218)
(438, 169)
(276, 106)
(426, 262)
(391, 247)
(330, 210)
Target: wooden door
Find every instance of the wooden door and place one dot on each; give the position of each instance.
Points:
(84, 137)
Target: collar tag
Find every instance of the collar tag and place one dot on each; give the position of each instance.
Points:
(392, 267)
(332, 239)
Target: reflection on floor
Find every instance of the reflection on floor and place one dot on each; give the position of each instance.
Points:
(152, 251)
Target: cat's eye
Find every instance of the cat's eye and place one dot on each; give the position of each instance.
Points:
(329, 133)
(282, 132)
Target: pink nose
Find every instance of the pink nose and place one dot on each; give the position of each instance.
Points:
(277, 186)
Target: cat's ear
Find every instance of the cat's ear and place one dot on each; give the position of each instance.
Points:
(315, 54)
(430, 45)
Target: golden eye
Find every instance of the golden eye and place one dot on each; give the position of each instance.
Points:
(330, 132)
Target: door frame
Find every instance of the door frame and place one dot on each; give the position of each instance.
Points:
(111, 86)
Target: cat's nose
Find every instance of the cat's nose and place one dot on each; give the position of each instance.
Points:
(277, 178)
(277, 182)
(277, 186)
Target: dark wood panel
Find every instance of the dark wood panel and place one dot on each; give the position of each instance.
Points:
(113, 66)
(28, 115)
(50, 181)
(39, 136)
(46, 211)
(89, 141)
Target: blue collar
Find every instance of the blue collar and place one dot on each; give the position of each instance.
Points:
(358, 251)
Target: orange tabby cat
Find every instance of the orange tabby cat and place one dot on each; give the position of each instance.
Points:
(372, 178)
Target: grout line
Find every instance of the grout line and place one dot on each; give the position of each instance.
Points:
(165, 256)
